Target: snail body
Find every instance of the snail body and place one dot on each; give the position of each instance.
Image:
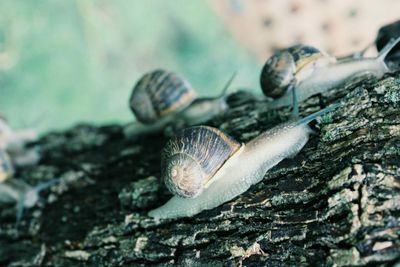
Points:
(245, 166)
(316, 73)
(14, 143)
(161, 98)
(6, 168)
(16, 191)
(203, 109)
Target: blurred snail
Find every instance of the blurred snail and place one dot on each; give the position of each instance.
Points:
(384, 35)
(308, 71)
(6, 168)
(204, 167)
(16, 191)
(14, 143)
(161, 98)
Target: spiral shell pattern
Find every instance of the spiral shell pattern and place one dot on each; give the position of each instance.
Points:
(191, 159)
(158, 94)
(281, 69)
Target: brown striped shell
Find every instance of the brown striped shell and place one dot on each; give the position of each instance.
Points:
(158, 94)
(191, 159)
(284, 67)
(6, 168)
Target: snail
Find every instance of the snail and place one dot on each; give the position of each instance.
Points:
(384, 35)
(204, 167)
(308, 71)
(14, 143)
(6, 168)
(161, 98)
(16, 191)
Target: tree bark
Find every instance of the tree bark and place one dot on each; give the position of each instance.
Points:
(335, 203)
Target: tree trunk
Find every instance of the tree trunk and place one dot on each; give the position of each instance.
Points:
(335, 203)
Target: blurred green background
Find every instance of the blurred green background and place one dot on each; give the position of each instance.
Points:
(64, 62)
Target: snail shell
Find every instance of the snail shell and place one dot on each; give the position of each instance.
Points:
(289, 66)
(158, 94)
(6, 168)
(191, 159)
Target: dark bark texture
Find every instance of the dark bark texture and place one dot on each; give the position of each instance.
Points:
(336, 203)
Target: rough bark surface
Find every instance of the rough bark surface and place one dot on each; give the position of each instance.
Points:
(335, 203)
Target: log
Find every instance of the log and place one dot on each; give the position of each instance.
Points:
(336, 203)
